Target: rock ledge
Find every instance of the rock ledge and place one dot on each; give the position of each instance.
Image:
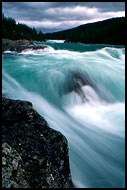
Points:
(33, 154)
(19, 45)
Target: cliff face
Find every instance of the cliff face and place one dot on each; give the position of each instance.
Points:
(33, 154)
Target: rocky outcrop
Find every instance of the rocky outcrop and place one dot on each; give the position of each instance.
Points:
(19, 45)
(33, 154)
(13, 171)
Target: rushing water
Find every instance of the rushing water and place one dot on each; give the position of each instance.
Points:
(80, 91)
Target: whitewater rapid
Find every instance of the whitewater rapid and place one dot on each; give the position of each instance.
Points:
(90, 112)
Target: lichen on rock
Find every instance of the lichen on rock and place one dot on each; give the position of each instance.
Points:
(12, 169)
(41, 151)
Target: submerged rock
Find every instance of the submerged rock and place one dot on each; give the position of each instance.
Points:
(35, 150)
(66, 41)
(75, 81)
(19, 45)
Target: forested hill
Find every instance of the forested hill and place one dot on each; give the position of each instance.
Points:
(13, 31)
(111, 31)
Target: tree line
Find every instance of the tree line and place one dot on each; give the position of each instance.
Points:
(110, 31)
(13, 31)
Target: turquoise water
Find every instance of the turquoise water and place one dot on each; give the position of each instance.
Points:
(95, 125)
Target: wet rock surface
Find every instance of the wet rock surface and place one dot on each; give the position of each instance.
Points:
(13, 173)
(19, 45)
(39, 154)
(75, 81)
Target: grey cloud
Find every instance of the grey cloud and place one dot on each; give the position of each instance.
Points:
(35, 8)
(38, 11)
(41, 11)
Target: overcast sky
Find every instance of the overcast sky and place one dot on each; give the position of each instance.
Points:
(56, 16)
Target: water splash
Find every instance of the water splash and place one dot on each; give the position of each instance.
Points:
(95, 128)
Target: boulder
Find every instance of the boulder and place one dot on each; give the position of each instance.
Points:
(19, 45)
(74, 82)
(13, 173)
(66, 41)
(37, 151)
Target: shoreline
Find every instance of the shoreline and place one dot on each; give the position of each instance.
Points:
(19, 45)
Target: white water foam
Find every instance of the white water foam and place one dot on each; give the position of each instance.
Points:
(8, 51)
(56, 41)
(46, 50)
(105, 116)
(94, 129)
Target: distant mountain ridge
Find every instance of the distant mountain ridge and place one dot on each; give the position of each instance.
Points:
(110, 31)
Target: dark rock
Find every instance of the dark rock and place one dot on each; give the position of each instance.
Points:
(12, 169)
(67, 41)
(75, 80)
(19, 45)
(43, 151)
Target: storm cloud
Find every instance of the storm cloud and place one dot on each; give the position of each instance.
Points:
(56, 16)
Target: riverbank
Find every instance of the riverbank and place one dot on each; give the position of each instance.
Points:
(19, 45)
